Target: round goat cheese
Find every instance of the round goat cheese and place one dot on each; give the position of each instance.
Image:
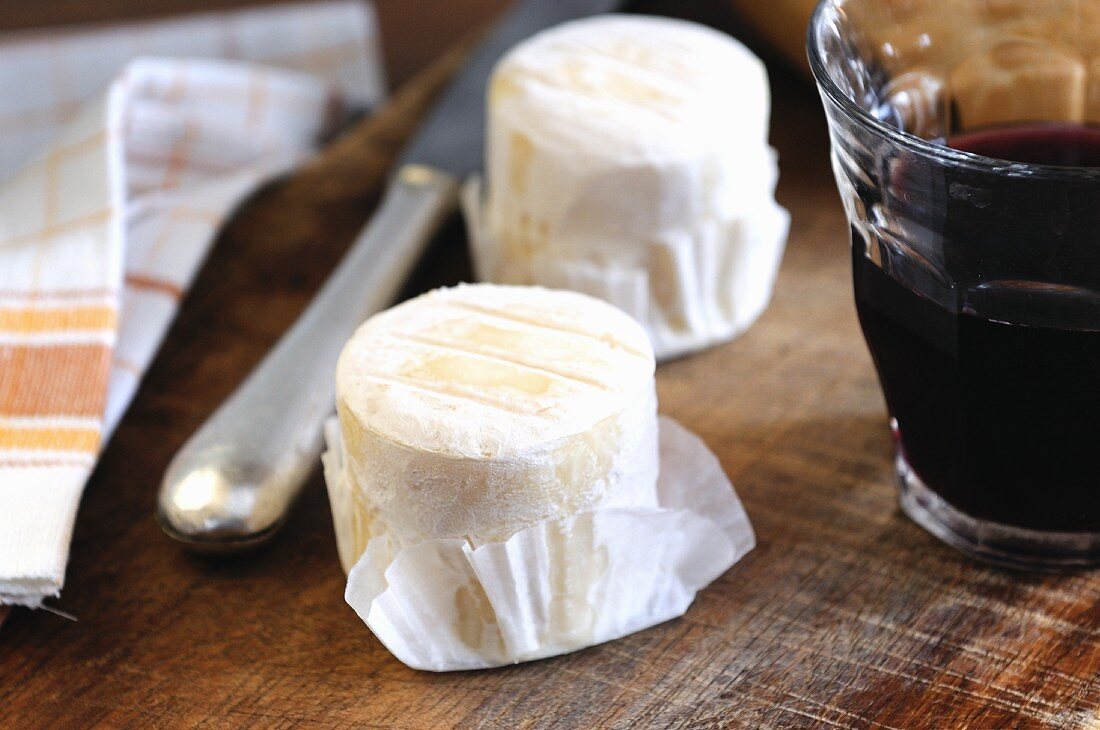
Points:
(476, 411)
(627, 157)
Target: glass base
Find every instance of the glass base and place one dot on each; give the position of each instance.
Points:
(993, 542)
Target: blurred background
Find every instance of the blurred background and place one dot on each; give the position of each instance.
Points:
(413, 31)
(416, 31)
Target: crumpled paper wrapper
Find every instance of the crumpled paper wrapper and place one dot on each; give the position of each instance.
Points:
(693, 293)
(558, 586)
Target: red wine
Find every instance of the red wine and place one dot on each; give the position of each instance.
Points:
(1071, 145)
(991, 364)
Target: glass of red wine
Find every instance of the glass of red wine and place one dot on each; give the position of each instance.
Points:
(969, 169)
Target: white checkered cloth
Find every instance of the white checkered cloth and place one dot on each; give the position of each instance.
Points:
(121, 152)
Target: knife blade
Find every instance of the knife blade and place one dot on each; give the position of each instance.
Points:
(232, 484)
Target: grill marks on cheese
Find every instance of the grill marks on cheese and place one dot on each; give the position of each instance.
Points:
(448, 358)
(468, 354)
(617, 77)
(646, 73)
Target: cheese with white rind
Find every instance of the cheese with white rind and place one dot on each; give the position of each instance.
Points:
(627, 157)
(477, 411)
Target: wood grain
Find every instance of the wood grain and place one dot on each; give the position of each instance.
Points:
(846, 615)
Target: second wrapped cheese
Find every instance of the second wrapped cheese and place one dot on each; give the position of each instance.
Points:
(627, 158)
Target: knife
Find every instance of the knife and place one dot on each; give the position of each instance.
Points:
(232, 484)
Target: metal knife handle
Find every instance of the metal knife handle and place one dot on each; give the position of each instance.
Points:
(231, 485)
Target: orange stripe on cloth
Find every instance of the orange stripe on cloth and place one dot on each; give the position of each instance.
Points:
(46, 461)
(42, 295)
(49, 438)
(151, 283)
(54, 380)
(25, 321)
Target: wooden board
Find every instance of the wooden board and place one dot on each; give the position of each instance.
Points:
(846, 614)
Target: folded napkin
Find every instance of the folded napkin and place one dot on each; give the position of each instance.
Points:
(115, 174)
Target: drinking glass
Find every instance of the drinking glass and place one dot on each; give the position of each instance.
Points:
(977, 276)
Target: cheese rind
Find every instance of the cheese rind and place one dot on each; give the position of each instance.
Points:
(477, 411)
(631, 147)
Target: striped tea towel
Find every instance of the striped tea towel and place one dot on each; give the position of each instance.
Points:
(121, 151)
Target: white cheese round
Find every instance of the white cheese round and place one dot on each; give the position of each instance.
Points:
(477, 411)
(627, 157)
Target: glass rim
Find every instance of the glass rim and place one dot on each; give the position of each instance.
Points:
(918, 144)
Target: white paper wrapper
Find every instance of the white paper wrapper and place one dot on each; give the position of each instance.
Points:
(693, 292)
(555, 587)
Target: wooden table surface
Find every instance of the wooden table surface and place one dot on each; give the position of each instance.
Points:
(846, 614)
